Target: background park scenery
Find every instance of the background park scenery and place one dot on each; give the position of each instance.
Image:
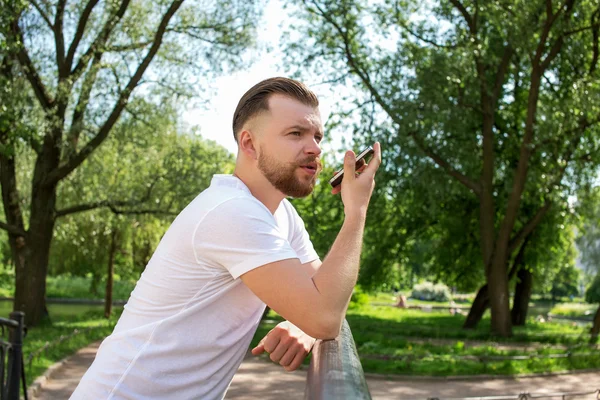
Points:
(486, 209)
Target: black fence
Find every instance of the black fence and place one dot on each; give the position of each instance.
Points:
(579, 395)
(12, 369)
(335, 372)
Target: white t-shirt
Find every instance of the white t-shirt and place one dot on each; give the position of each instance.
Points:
(190, 319)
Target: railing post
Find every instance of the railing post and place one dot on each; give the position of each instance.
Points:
(15, 358)
(335, 372)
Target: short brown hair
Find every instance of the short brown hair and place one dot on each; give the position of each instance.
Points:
(256, 99)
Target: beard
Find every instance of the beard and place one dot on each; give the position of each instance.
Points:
(282, 175)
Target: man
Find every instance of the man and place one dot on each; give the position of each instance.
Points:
(238, 245)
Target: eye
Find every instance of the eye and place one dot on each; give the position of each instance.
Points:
(295, 133)
(319, 138)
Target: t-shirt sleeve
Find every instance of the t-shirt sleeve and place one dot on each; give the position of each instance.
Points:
(300, 240)
(240, 235)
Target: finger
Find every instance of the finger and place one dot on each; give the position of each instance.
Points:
(362, 168)
(259, 349)
(337, 189)
(349, 166)
(297, 362)
(359, 164)
(279, 352)
(376, 160)
(271, 342)
(288, 357)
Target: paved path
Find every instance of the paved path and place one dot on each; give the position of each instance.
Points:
(259, 379)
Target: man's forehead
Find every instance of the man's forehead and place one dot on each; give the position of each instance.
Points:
(294, 111)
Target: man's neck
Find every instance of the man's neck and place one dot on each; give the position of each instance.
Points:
(261, 188)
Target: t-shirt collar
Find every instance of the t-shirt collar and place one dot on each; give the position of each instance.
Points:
(229, 181)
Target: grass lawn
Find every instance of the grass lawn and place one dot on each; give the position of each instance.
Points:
(575, 310)
(389, 340)
(88, 327)
(397, 341)
(72, 287)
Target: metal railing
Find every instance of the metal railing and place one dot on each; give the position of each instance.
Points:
(12, 370)
(335, 371)
(526, 396)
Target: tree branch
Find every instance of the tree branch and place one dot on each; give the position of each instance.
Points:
(82, 103)
(128, 47)
(469, 183)
(140, 212)
(42, 14)
(28, 68)
(468, 18)
(108, 203)
(12, 229)
(502, 68)
(528, 227)
(595, 46)
(85, 16)
(584, 123)
(519, 258)
(67, 167)
(100, 41)
(59, 39)
(354, 65)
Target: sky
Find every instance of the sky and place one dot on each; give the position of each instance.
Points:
(214, 119)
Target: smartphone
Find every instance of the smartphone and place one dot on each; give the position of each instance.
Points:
(361, 159)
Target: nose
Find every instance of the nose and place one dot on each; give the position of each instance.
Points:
(313, 147)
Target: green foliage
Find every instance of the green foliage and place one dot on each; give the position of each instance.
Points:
(573, 310)
(566, 282)
(592, 294)
(74, 287)
(358, 299)
(411, 342)
(588, 239)
(428, 291)
(146, 177)
(68, 83)
(485, 120)
(86, 328)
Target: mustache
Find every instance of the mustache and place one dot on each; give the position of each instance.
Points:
(308, 160)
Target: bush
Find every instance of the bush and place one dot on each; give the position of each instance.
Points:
(429, 291)
(592, 294)
(358, 299)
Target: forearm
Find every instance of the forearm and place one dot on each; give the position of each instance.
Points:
(337, 276)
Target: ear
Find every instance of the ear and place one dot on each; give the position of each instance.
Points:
(247, 144)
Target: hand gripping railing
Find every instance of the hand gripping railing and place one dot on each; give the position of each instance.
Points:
(335, 372)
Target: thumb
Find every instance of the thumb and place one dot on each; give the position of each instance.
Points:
(349, 165)
(259, 349)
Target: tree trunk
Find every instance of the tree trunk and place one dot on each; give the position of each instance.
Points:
(29, 252)
(480, 304)
(498, 294)
(522, 297)
(110, 274)
(30, 277)
(595, 328)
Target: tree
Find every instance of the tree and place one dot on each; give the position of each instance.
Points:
(104, 54)
(122, 237)
(501, 97)
(588, 242)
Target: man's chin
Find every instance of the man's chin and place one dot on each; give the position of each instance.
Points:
(298, 193)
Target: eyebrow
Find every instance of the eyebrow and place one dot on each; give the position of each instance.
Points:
(303, 128)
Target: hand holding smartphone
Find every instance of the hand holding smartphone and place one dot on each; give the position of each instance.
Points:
(361, 160)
